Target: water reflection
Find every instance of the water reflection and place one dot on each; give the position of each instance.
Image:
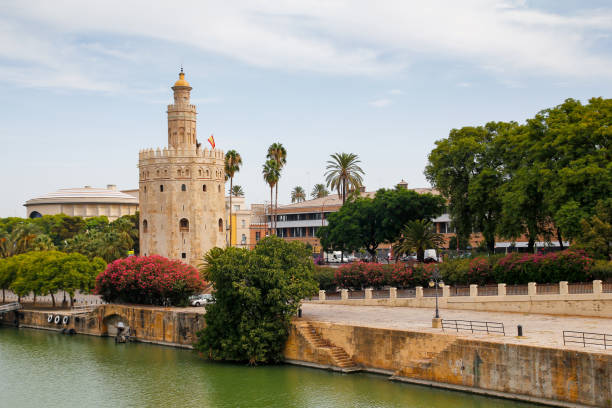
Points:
(46, 369)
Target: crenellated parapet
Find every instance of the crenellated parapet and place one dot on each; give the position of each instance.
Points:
(166, 152)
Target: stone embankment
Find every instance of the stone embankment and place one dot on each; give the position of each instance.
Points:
(549, 375)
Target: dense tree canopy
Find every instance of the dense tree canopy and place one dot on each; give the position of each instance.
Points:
(541, 179)
(43, 273)
(364, 222)
(257, 293)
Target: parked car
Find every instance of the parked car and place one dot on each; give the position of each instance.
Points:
(201, 300)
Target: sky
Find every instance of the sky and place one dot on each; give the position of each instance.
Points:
(84, 85)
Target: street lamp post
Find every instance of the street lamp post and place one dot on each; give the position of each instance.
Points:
(436, 282)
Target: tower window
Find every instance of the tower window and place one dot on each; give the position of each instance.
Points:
(204, 187)
(219, 188)
(183, 255)
(145, 226)
(178, 172)
(183, 187)
(145, 189)
(161, 188)
(220, 225)
(184, 225)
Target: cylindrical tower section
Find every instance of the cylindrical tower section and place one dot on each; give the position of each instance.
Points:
(182, 117)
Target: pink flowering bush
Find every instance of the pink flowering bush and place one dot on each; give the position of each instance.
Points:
(151, 280)
(358, 275)
(479, 271)
(519, 268)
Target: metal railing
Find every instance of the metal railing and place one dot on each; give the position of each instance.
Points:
(607, 287)
(587, 339)
(488, 290)
(548, 289)
(381, 294)
(357, 294)
(577, 288)
(406, 293)
(473, 326)
(516, 290)
(460, 291)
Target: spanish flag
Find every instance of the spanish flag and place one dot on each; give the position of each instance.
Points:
(211, 140)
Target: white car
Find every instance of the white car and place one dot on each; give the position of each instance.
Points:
(201, 300)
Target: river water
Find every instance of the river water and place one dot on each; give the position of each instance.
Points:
(47, 369)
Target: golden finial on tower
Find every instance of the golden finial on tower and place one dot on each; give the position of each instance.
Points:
(181, 81)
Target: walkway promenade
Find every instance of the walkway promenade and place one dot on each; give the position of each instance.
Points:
(538, 329)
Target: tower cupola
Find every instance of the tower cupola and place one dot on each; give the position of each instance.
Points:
(182, 116)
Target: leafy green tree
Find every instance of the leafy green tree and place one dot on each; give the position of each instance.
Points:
(96, 223)
(237, 191)
(596, 234)
(271, 174)
(467, 169)
(298, 194)
(343, 173)
(233, 161)
(8, 274)
(278, 153)
(257, 293)
(364, 222)
(319, 191)
(417, 236)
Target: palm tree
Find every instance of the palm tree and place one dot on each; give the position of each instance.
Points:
(233, 161)
(271, 174)
(319, 191)
(237, 191)
(417, 236)
(278, 153)
(298, 194)
(343, 173)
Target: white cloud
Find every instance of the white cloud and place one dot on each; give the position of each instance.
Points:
(341, 37)
(396, 92)
(381, 103)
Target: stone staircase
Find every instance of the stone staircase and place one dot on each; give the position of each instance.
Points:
(338, 355)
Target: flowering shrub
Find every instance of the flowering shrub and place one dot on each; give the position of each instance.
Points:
(402, 275)
(569, 265)
(152, 280)
(357, 275)
(479, 271)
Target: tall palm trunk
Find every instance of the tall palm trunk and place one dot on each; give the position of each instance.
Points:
(271, 204)
(276, 209)
(230, 211)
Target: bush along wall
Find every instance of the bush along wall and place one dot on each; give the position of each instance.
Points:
(516, 268)
(150, 280)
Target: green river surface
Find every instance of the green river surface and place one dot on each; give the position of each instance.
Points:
(47, 369)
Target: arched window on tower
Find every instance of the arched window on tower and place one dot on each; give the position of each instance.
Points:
(161, 188)
(183, 187)
(219, 188)
(204, 187)
(184, 225)
(178, 172)
(145, 189)
(220, 225)
(145, 226)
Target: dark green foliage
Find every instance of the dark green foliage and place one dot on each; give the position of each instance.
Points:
(47, 272)
(324, 275)
(367, 222)
(257, 293)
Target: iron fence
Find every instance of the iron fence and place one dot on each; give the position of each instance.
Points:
(406, 293)
(473, 326)
(381, 294)
(607, 287)
(547, 289)
(460, 291)
(516, 290)
(587, 339)
(356, 294)
(488, 290)
(578, 288)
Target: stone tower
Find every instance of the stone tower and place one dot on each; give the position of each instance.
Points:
(181, 189)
